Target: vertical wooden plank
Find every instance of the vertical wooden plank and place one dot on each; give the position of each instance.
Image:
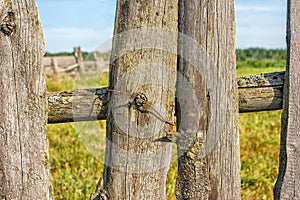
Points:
(79, 60)
(98, 63)
(24, 167)
(208, 141)
(54, 67)
(288, 182)
(143, 64)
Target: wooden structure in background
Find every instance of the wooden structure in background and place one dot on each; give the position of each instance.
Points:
(79, 60)
(74, 65)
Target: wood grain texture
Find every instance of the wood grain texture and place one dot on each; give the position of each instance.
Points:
(208, 122)
(288, 182)
(77, 105)
(136, 161)
(260, 92)
(24, 167)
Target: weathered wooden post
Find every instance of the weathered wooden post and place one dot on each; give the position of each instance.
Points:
(142, 76)
(54, 67)
(24, 167)
(98, 62)
(208, 141)
(79, 60)
(288, 182)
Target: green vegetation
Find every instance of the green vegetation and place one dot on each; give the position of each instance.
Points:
(75, 170)
(48, 54)
(85, 55)
(260, 58)
(259, 146)
(260, 54)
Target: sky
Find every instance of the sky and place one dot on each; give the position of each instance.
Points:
(89, 23)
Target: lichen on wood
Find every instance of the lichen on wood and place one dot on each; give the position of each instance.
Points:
(252, 97)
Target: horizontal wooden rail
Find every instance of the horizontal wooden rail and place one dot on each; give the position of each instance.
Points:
(260, 92)
(256, 93)
(77, 105)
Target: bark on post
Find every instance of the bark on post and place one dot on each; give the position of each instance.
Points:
(24, 167)
(208, 141)
(137, 161)
(288, 182)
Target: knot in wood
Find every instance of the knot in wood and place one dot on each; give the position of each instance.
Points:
(141, 102)
(100, 195)
(7, 25)
(103, 195)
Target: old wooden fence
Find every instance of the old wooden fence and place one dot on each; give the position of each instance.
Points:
(138, 150)
(74, 65)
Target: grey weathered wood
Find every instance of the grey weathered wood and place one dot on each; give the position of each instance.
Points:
(24, 167)
(272, 79)
(77, 105)
(208, 121)
(260, 92)
(136, 161)
(288, 182)
(54, 67)
(99, 63)
(79, 59)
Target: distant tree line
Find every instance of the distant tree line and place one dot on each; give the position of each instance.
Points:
(260, 58)
(86, 55)
(260, 54)
(251, 57)
(48, 54)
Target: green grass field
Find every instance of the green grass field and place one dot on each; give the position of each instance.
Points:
(75, 170)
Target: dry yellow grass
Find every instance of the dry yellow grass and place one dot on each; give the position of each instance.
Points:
(75, 170)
